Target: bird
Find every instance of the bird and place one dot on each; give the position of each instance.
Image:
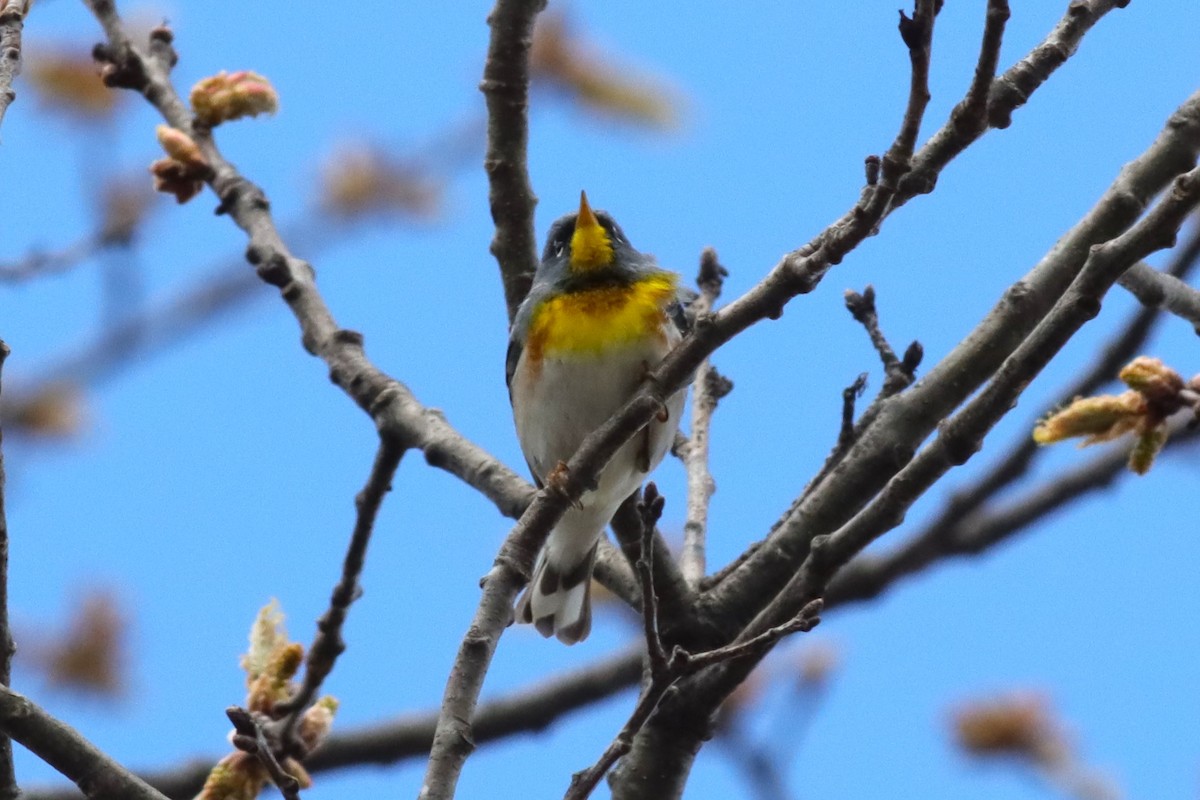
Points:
(598, 318)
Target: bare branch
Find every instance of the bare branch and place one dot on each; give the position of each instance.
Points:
(328, 644)
(585, 781)
(707, 389)
(12, 20)
(799, 545)
(61, 746)
(506, 87)
(908, 418)
(397, 413)
(917, 33)
(846, 434)
(964, 526)
(674, 597)
(1126, 344)
(899, 374)
(664, 673)
(961, 435)
(613, 572)
(650, 509)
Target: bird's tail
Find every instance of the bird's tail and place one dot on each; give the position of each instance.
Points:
(558, 599)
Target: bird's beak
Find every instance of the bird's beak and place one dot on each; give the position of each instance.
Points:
(590, 246)
(586, 218)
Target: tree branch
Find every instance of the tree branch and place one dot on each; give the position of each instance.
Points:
(673, 596)
(707, 389)
(960, 436)
(965, 504)
(250, 737)
(1161, 290)
(660, 760)
(506, 87)
(328, 644)
(907, 419)
(61, 746)
(917, 34)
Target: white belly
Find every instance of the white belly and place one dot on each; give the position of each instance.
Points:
(583, 392)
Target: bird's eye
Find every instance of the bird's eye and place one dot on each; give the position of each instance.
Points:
(558, 251)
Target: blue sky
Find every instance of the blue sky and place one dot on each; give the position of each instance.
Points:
(220, 474)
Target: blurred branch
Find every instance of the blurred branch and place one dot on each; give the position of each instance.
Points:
(12, 20)
(39, 263)
(869, 575)
(8, 778)
(506, 88)
(60, 746)
(526, 710)
(1160, 290)
(581, 72)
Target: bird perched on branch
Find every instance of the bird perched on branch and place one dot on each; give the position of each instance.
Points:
(599, 317)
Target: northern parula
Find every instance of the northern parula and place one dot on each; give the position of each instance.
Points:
(599, 316)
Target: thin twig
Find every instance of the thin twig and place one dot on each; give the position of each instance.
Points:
(917, 33)
(673, 597)
(328, 644)
(845, 438)
(969, 120)
(8, 778)
(650, 509)
(664, 676)
(898, 373)
(12, 20)
(707, 389)
(584, 782)
(62, 747)
(250, 737)
(805, 620)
